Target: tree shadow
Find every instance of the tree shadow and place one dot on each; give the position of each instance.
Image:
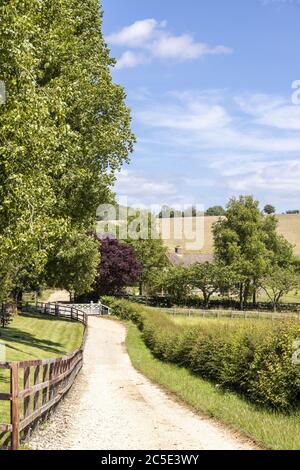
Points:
(13, 335)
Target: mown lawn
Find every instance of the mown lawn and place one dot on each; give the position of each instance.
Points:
(31, 336)
(270, 429)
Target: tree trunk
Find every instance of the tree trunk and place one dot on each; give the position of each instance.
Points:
(141, 288)
(246, 292)
(241, 296)
(206, 300)
(17, 295)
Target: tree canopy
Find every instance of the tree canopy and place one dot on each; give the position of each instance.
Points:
(118, 268)
(215, 211)
(247, 241)
(65, 131)
(269, 209)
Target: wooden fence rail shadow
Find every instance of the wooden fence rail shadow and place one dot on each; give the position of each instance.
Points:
(37, 386)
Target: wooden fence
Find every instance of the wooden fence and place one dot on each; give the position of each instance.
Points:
(37, 386)
(219, 314)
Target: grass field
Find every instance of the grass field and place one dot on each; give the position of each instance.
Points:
(35, 337)
(270, 429)
(288, 226)
(194, 321)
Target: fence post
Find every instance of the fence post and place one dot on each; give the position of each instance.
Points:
(14, 406)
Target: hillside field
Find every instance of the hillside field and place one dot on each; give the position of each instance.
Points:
(289, 227)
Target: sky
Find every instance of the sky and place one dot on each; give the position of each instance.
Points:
(214, 89)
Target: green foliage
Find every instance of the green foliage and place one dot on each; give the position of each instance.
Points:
(174, 281)
(211, 278)
(278, 282)
(150, 251)
(65, 131)
(252, 358)
(247, 242)
(168, 212)
(72, 264)
(215, 211)
(269, 209)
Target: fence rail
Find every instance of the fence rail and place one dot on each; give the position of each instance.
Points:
(37, 386)
(219, 313)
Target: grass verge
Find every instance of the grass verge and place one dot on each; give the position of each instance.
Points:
(30, 337)
(270, 429)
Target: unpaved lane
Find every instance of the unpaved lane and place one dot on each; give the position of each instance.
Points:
(112, 406)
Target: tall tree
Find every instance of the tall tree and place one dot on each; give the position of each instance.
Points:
(153, 256)
(65, 130)
(72, 263)
(147, 245)
(247, 241)
(75, 72)
(27, 140)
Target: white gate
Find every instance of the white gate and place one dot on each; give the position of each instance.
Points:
(93, 308)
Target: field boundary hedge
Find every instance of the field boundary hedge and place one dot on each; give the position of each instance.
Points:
(226, 304)
(253, 358)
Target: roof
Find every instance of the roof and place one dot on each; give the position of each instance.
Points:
(186, 259)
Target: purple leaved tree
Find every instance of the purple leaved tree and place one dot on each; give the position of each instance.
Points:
(118, 268)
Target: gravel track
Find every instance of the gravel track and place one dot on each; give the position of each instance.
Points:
(112, 406)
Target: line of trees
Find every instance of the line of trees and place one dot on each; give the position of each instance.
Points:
(249, 255)
(64, 132)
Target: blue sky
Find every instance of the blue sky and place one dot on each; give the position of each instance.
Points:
(209, 83)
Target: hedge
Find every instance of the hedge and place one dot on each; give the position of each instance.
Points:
(253, 358)
(198, 303)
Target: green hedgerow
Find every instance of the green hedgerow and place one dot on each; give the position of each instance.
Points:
(253, 358)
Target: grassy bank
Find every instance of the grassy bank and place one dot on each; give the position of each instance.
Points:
(31, 336)
(271, 429)
(184, 320)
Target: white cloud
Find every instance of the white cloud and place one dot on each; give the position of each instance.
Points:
(157, 42)
(271, 110)
(276, 176)
(190, 117)
(134, 35)
(184, 48)
(130, 59)
(142, 189)
(213, 140)
(203, 121)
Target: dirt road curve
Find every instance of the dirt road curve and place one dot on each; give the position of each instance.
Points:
(112, 406)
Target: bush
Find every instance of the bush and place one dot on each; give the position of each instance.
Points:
(253, 358)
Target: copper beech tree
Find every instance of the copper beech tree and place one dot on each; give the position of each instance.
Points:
(118, 268)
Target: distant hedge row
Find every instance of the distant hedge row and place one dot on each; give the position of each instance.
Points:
(231, 304)
(253, 358)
